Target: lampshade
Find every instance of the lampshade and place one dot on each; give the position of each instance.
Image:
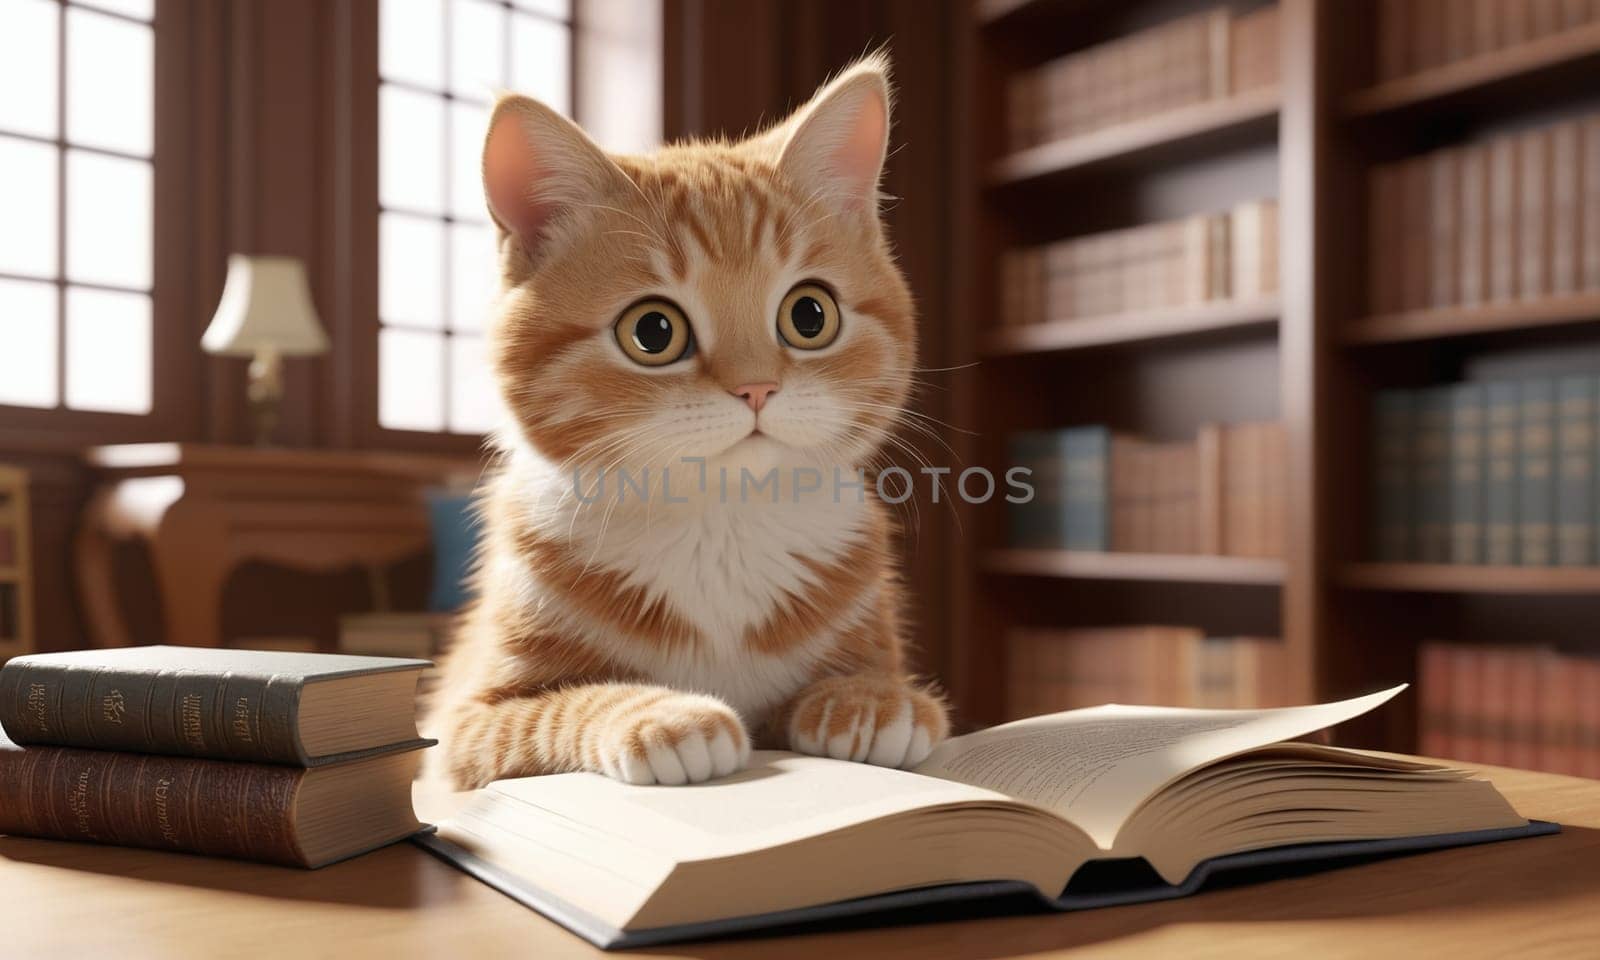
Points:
(266, 305)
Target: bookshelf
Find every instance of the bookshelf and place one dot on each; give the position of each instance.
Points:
(1315, 355)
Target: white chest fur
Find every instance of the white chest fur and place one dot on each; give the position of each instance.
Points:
(724, 564)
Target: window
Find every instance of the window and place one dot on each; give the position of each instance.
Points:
(441, 63)
(76, 175)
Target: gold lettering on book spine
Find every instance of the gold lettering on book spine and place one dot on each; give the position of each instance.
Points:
(113, 707)
(189, 717)
(78, 803)
(241, 719)
(34, 707)
(163, 814)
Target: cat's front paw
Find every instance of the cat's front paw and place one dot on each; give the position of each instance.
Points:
(879, 720)
(682, 738)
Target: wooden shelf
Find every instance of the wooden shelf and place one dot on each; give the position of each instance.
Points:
(1556, 50)
(1464, 321)
(1460, 578)
(1176, 568)
(991, 12)
(1144, 138)
(1156, 324)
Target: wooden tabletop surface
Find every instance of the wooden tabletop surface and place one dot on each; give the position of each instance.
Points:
(1528, 898)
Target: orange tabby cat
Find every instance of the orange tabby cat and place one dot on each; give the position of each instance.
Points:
(700, 318)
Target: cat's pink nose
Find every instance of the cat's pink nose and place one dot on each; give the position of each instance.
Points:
(755, 394)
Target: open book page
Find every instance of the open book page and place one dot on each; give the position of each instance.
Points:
(779, 798)
(1095, 767)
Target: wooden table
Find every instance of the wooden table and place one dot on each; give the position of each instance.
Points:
(203, 510)
(1538, 897)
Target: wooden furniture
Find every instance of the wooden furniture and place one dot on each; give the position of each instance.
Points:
(1312, 357)
(203, 510)
(1493, 900)
(16, 565)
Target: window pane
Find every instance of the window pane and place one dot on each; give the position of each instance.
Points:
(28, 330)
(539, 65)
(110, 78)
(468, 125)
(474, 275)
(410, 41)
(108, 220)
(410, 150)
(553, 8)
(108, 351)
(474, 407)
(411, 380)
(410, 264)
(143, 9)
(28, 67)
(477, 48)
(27, 207)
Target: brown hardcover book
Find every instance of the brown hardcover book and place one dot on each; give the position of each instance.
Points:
(1461, 38)
(1474, 268)
(1566, 209)
(1435, 707)
(275, 814)
(1504, 232)
(1544, 17)
(1495, 665)
(1576, 13)
(1023, 110)
(1417, 235)
(1429, 28)
(1485, 26)
(1586, 735)
(1466, 698)
(1590, 218)
(1522, 726)
(1208, 492)
(1394, 39)
(1385, 226)
(1515, 22)
(1558, 714)
(1444, 237)
(1533, 256)
(266, 707)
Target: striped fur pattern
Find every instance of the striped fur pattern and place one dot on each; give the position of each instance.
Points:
(654, 638)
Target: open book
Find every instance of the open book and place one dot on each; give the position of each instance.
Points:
(1026, 804)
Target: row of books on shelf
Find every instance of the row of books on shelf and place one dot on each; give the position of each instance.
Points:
(1189, 60)
(1418, 35)
(1223, 493)
(1496, 473)
(1063, 669)
(1530, 707)
(1217, 256)
(1513, 217)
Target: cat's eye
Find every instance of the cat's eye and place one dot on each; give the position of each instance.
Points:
(808, 318)
(654, 333)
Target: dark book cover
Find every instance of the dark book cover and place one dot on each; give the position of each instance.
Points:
(1536, 493)
(1500, 476)
(1575, 465)
(1086, 522)
(1431, 476)
(1393, 432)
(1467, 441)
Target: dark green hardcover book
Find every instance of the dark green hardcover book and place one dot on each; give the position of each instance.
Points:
(1086, 524)
(1500, 476)
(1430, 486)
(1037, 522)
(1392, 430)
(1575, 459)
(1536, 489)
(1467, 403)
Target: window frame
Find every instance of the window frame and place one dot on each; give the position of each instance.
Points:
(364, 212)
(60, 428)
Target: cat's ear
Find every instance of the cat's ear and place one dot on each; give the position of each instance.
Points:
(836, 143)
(538, 165)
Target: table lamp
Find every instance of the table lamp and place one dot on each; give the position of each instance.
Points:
(265, 314)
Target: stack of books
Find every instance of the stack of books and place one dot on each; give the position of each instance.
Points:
(1498, 473)
(1225, 493)
(1220, 256)
(288, 758)
(1049, 670)
(1418, 35)
(1528, 707)
(1511, 218)
(1186, 61)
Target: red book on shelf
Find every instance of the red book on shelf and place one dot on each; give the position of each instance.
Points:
(1435, 738)
(1558, 708)
(1467, 696)
(1524, 668)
